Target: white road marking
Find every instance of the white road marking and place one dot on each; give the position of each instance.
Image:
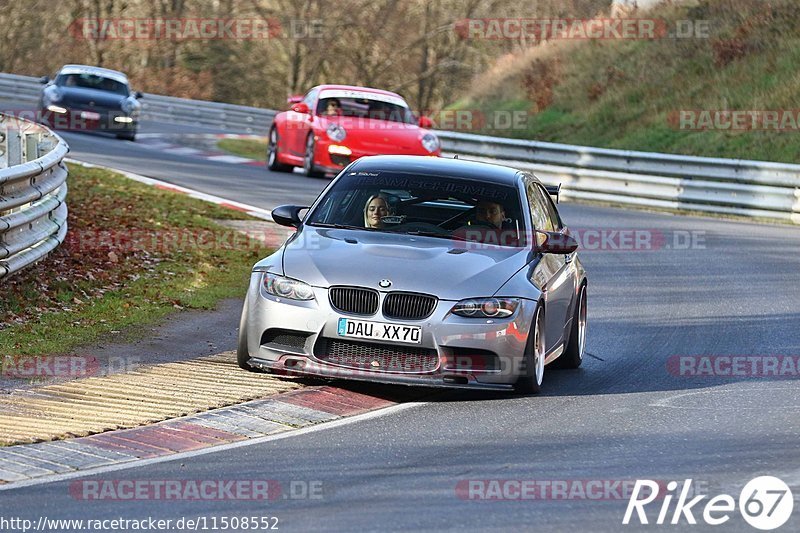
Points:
(229, 159)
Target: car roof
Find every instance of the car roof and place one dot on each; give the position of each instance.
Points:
(356, 88)
(438, 166)
(97, 71)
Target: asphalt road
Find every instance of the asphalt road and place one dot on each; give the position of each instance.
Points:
(624, 415)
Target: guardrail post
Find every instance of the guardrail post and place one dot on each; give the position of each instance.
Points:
(13, 147)
(3, 145)
(31, 146)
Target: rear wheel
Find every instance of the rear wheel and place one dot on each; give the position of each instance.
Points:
(272, 154)
(309, 169)
(530, 382)
(573, 356)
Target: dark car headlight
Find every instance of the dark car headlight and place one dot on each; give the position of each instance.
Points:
(289, 288)
(430, 142)
(336, 133)
(486, 307)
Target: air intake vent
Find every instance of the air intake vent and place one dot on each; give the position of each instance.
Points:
(296, 340)
(354, 300)
(377, 357)
(408, 305)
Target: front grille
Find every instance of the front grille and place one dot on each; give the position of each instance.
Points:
(354, 300)
(285, 337)
(377, 357)
(408, 305)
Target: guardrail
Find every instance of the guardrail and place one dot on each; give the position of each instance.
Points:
(622, 177)
(33, 189)
(647, 179)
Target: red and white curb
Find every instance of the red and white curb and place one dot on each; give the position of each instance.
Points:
(251, 210)
(156, 141)
(248, 423)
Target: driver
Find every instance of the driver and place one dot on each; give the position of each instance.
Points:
(375, 209)
(490, 213)
(333, 107)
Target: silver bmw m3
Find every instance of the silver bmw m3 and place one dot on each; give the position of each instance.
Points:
(420, 271)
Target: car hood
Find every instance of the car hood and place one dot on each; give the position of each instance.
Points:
(324, 257)
(82, 96)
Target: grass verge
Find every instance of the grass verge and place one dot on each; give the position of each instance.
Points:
(133, 254)
(630, 94)
(250, 148)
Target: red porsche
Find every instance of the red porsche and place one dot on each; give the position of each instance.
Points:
(333, 125)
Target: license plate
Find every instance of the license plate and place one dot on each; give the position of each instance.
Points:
(90, 115)
(363, 329)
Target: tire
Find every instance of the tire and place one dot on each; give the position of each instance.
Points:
(242, 352)
(308, 161)
(128, 136)
(576, 345)
(272, 154)
(530, 382)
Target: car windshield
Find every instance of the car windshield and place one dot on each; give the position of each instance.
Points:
(365, 108)
(91, 81)
(448, 208)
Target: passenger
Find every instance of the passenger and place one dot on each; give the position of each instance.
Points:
(375, 209)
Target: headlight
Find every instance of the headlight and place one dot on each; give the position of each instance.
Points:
(336, 133)
(53, 95)
(430, 142)
(56, 109)
(486, 307)
(284, 287)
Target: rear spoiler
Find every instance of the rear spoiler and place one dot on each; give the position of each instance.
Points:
(553, 190)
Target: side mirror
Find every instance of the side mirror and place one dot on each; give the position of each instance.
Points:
(300, 107)
(287, 215)
(138, 95)
(425, 122)
(294, 99)
(44, 80)
(553, 242)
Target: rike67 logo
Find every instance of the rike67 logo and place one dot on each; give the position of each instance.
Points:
(765, 503)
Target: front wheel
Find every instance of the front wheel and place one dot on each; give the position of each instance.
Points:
(272, 154)
(573, 355)
(309, 168)
(242, 351)
(530, 382)
(127, 136)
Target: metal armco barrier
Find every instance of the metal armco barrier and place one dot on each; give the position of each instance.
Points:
(33, 189)
(621, 177)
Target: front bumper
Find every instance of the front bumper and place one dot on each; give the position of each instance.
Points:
(99, 120)
(334, 162)
(464, 353)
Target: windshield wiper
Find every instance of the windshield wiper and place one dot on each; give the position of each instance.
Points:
(337, 226)
(424, 233)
